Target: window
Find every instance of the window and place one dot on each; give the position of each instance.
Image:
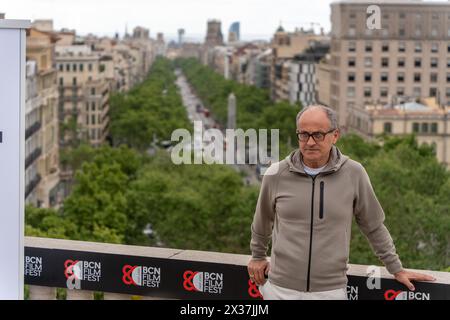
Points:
(447, 92)
(74, 81)
(448, 63)
(67, 67)
(401, 31)
(385, 31)
(387, 127)
(384, 77)
(433, 77)
(416, 77)
(415, 127)
(351, 46)
(434, 31)
(385, 47)
(87, 119)
(433, 92)
(418, 47)
(367, 62)
(351, 62)
(401, 47)
(385, 62)
(61, 67)
(368, 47)
(90, 66)
(434, 47)
(418, 31)
(434, 127)
(352, 30)
(92, 91)
(367, 77)
(93, 119)
(417, 62)
(74, 67)
(433, 62)
(424, 127)
(350, 92)
(352, 15)
(401, 62)
(400, 91)
(93, 106)
(351, 77)
(435, 16)
(418, 16)
(367, 92)
(448, 77)
(61, 81)
(400, 77)
(87, 106)
(448, 47)
(383, 92)
(417, 92)
(81, 67)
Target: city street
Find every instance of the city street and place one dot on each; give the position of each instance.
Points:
(190, 101)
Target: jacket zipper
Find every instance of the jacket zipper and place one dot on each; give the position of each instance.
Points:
(321, 200)
(310, 235)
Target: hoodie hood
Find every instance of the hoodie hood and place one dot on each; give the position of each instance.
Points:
(336, 161)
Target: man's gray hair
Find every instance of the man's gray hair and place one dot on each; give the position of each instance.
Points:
(331, 114)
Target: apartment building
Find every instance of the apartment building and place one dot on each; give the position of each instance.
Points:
(407, 57)
(83, 94)
(285, 46)
(42, 160)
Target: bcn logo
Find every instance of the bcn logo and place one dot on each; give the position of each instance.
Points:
(203, 281)
(137, 275)
(405, 295)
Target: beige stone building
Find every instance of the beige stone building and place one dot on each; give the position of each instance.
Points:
(406, 57)
(323, 84)
(285, 45)
(429, 122)
(42, 162)
(83, 94)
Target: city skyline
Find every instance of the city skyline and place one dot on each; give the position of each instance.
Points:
(259, 19)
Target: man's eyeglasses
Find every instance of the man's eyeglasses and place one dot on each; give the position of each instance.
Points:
(317, 136)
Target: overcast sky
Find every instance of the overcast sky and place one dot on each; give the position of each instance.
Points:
(259, 18)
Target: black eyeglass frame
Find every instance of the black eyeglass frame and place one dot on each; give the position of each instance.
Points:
(317, 138)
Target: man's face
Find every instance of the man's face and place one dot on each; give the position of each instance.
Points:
(314, 151)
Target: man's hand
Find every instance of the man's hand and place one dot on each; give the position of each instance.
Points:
(257, 269)
(405, 277)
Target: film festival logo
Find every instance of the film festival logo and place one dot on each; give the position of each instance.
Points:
(405, 295)
(33, 266)
(207, 146)
(208, 282)
(77, 271)
(253, 290)
(141, 276)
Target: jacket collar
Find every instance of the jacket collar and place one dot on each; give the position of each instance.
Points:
(337, 159)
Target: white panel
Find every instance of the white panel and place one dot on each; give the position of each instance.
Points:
(12, 164)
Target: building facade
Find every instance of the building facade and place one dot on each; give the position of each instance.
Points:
(407, 57)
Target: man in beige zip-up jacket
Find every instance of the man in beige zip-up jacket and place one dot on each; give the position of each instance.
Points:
(306, 204)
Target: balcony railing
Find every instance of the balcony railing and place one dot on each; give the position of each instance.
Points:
(32, 185)
(32, 130)
(33, 157)
(123, 272)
